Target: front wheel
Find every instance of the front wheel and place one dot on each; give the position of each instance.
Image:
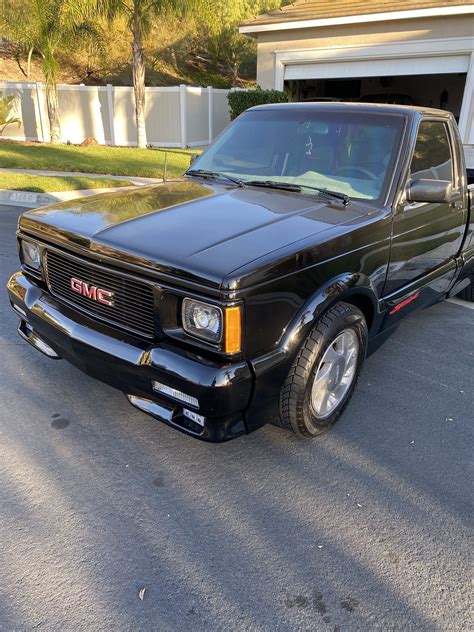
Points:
(325, 372)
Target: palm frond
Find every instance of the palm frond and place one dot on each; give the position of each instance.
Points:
(6, 106)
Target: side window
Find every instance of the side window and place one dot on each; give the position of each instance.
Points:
(432, 158)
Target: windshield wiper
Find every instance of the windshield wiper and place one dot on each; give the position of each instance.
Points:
(204, 173)
(291, 186)
(274, 184)
(345, 199)
(271, 184)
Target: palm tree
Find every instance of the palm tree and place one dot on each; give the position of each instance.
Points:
(139, 14)
(46, 26)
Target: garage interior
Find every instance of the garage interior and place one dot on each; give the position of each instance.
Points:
(444, 91)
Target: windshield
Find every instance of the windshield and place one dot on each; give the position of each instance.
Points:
(345, 151)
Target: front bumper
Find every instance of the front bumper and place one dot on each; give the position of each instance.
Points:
(223, 390)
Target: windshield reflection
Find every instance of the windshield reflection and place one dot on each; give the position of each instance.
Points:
(348, 152)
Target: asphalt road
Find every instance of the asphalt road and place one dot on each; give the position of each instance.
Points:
(364, 529)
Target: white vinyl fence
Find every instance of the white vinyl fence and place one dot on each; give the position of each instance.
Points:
(181, 116)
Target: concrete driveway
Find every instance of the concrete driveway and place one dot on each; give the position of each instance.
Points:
(364, 529)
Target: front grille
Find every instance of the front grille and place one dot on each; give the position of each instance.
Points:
(133, 303)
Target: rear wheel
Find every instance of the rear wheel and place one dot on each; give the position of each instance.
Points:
(468, 293)
(325, 372)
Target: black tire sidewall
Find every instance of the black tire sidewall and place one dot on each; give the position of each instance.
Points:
(353, 320)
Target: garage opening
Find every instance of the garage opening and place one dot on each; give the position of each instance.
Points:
(444, 91)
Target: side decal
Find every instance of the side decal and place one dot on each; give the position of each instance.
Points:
(404, 303)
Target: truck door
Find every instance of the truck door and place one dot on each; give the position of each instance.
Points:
(426, 236)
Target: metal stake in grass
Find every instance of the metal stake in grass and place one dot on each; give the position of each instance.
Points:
(165, 168)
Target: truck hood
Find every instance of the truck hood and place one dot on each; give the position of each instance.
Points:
(192, 231)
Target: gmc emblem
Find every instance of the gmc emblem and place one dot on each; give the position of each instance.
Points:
(91, 291)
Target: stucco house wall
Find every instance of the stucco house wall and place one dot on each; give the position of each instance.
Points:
(271, 42)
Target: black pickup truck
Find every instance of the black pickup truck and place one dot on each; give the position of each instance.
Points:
(251, 290)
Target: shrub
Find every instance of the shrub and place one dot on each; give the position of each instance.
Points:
(241, 100)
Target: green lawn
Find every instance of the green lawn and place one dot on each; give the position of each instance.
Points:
(119, 161)
(44, 184)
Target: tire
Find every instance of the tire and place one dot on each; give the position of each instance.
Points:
(302, 408)
(468, 293)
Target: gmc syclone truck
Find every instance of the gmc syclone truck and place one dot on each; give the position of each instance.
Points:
(250, 290)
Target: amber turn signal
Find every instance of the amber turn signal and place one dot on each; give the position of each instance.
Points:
(233, 335)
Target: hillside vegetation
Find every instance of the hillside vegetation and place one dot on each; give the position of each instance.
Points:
(201, 46)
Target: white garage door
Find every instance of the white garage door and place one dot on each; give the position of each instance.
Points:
(378, 67)
(401, 58)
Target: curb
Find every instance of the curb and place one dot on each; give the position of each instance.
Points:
(30, 200)
(26, 199)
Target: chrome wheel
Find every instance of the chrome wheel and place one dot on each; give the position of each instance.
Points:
(335, 373)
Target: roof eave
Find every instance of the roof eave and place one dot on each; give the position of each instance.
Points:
(254, 28)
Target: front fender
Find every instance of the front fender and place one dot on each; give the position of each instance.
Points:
(271, 369)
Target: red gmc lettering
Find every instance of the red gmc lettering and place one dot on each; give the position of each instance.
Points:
(76, 285)
(91, 291)
(105, 297)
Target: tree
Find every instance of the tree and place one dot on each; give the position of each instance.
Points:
(220, 19)
(47, 26)
(139, 15)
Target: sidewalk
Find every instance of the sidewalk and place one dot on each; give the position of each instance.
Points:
(135, 180)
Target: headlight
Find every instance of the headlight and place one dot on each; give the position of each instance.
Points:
(31, 254)
(202, 320)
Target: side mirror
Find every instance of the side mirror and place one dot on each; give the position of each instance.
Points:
(193, 158)
(430, 191)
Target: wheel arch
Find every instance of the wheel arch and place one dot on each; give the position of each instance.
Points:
(365, 304)
(353, 288)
